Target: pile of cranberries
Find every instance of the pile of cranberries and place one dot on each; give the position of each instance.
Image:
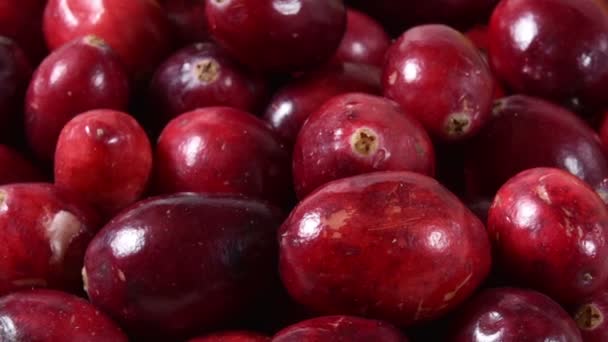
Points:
(303, 170)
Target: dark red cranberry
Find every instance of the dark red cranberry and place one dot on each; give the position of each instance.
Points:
(551, 48)
(591, 316)
(137, 30)
(222, 150)
(232, 336)
(340, 328)
(513, 315)
(438, 76)
(292, 104)
(22, 22)
(357, 133)
(278, 35)
(14, 168)
(550, 232)
(181, 264)
(82, 75)
(603, 131)
(201, 75)
(106, 157)
(364, 41)
(479, 37)
(395, 246)
(188, 19)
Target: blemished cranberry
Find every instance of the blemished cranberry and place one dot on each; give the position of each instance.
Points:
(45, 233)
(340, 328)
(188, 20)
(591, 317)
(278, 35)
(394, 246)
(105, 156)
(513, 315)
(292, 104)
(47, 315)
(549, 230)
(182, 264)
(82, 75)
(232, 336)
(553, 49)
(201, 75)
(356, 133)
(437, 75)
(364, 41)
(138, 30)
(222, 150)
(22, 22)
(15, 168)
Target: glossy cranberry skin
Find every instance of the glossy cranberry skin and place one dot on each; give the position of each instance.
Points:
(438, 61)
(222, 150)
(15, 168)
(22, 22)
(514, 315)
(278, 35)
(339, 328)
(356, 133)
(188, 19)
(232, 336)
(292, 104)
(106, 157)
(45, 233)
(184, 263)
(82, 75)
(551, 48)
(201, 75)
(591, 317)
(137, 30)
(394, 246)
(364, 41)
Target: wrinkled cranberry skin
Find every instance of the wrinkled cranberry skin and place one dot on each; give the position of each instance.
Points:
(106, 157)
(201, 75)
(45, 233)
(137, 30)
(82, 75)
(188, 20)
(590, 317)
(551, 49)
(461, 83)
(364, 41)
(54, 316)
(336, 142)
(339, 328)
(550, 232)
(275, 35)
(222, 150)
(291, 105)
(513, 315)
(14, 168)
(428, 249)
(232, 336)
(526, 132)
(22, 22)
(184, 263)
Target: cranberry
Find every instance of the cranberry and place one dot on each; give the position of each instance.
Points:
(22, 21)
(188, 19)
(278, 35)
(395, 246)
(590, 316)
(339, 328)
(357, 133)
(14, 168)
(232, 336)
(438, 60)
(202, 75)
(603, 131)
(82, 75)
(180, 264)
(364, 41)
(514, 315)
(106, 157)
(551, 48)
(292, 104)
(222, 150)
(137, 30)
(479, 37)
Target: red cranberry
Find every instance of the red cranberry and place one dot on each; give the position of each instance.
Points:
(356, 133)
(232, 336)
(395, 246)
(604, 130)
(202, 75)
(14, 168)
(438, 60)
(222, 150)
(591, 317)
(137, 30)
(514, 315)
(291, 105)
(278, 35)
(82, 75)
(22, 21)
(45, 233)
(550, 232)
(479, 37)
(364, 41)
(551, 48)
(180, 264)
(188, 19)
(340, 328)
(106, 157)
